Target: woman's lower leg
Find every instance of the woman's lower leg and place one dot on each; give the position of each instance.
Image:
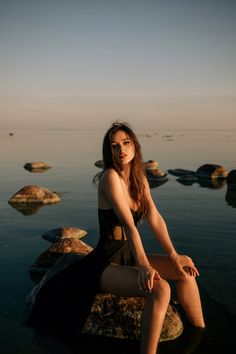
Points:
(153, 317)
(189, 298)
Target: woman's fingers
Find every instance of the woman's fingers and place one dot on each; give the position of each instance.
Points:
(185, 265)
(146, 278)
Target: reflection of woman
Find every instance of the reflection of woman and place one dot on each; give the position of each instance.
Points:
(119, 264)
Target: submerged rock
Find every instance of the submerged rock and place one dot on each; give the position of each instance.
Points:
(120, 317)
(64, 232)
(34, 194)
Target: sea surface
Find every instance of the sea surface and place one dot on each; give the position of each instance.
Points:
(201, 218)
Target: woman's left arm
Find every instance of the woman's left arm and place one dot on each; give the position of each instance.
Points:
(184, 263)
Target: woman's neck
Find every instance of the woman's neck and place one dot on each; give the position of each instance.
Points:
(125, 173)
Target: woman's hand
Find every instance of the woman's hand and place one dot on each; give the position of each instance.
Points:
(146, 276)
(184, 264)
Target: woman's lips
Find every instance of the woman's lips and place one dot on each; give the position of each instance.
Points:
(122, 156)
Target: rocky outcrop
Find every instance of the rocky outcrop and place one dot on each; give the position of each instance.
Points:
(64, 232)
(37, 166)
(120, 317)
(33, 195)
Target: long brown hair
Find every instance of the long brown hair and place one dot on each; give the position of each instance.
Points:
(137, 171)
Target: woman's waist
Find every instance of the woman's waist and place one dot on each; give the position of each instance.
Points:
(117, 233)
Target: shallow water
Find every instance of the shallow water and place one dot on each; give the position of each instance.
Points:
(201, 218)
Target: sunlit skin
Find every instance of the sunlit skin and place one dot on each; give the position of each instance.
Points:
(149, 277)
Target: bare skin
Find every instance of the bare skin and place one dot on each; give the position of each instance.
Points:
(149, 277)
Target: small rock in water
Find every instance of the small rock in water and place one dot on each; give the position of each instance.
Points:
(65, 245)
(211, 171)
(34, 194)
(64, 232)
(36, 166)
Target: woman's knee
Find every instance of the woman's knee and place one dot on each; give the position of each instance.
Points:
(161, 290)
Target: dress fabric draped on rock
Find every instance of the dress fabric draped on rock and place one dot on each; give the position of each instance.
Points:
(63, 303)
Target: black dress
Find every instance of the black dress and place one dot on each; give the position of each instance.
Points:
(63, 303)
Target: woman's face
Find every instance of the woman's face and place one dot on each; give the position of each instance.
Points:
(122, 147)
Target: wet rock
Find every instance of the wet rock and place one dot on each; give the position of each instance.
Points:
(155, 176)
(99, 163)
(47, 259)
(34, 194)
(120, 317)
(154, 183)
(151, 165)
(181, 172)
(231, 180)
(38, 166)
(64, 232)
(211, 171)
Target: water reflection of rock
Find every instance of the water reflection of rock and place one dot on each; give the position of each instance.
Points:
(207, 176)
(153, 183)
(27, 209)
(211, 183)
(203, 182)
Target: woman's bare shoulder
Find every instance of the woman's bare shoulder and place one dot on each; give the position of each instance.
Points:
(109, 175)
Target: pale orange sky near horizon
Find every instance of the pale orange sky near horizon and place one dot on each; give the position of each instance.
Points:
(83, 64)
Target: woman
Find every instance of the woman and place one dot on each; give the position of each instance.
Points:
(119, 264)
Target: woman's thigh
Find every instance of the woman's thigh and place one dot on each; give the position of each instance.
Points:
(164, 267)
(121, 280)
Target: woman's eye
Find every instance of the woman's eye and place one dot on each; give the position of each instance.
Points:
(126, 142)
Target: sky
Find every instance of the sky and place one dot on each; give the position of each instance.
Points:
(157, 64)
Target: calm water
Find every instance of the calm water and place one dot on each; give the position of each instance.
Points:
(200, 218)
